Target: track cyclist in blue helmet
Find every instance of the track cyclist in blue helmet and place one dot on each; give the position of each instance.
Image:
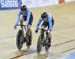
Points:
(27, 17)
(47, 21)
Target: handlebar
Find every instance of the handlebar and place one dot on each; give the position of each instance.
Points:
(21, 26)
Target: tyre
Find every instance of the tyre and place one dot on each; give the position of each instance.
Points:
(39, 45)
(48, 44)
(19, 40)
(28, 39)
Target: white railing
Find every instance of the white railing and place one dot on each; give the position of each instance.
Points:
(39, 3)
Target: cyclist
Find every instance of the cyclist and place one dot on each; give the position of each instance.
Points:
(27, 16)
(47, 21)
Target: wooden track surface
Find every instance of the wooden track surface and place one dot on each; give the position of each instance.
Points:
(63, 41)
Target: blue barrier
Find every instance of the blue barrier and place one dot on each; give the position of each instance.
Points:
(9, 4)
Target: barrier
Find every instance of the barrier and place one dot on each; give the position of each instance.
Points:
(39, 3)
(13, 4)
(9, 4)
(69, 0)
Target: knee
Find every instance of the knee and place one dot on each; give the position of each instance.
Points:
(28, 29)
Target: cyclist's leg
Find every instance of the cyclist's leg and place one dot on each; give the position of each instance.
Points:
(29, 29)
(44, 25)
(29, 32)
(49, 38)
(50, 34)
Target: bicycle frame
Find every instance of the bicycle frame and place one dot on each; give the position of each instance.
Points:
(43, 37)
(22, 28)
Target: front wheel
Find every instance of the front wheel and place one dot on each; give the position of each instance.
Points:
(19, 40)
(39, 45)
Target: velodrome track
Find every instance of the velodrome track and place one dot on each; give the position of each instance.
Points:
(63, 41)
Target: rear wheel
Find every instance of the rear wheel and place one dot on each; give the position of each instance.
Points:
(28, 39)
(19, 40)
(48, 44)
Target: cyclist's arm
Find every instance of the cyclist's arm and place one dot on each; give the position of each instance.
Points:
(50, 23)
(28, 18)
(38, 24)
(18, 17)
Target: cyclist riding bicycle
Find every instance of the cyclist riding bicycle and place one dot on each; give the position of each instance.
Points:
(27, 17)
(47, 21)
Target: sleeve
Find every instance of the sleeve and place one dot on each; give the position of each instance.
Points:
(28, 18)
(38, 24)
(50, 23)
(18, 17)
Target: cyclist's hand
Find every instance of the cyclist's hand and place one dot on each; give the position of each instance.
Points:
(14, 26)
(36, 31)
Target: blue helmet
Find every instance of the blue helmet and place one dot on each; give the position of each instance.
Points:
(44, 15)
(23, 8)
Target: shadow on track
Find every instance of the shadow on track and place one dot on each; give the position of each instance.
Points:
(20, 53)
